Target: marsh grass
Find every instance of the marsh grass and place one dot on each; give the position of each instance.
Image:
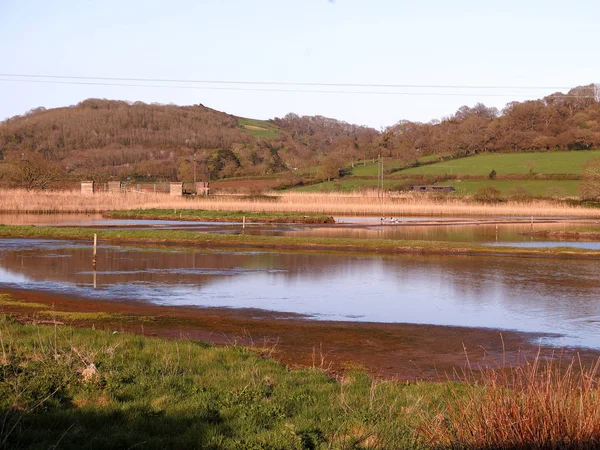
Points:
(188, 238)
(218, 216)
(544, 403)
(352, 204)
(9, 301)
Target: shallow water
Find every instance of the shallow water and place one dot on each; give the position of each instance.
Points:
(535, 295)
(451, 229)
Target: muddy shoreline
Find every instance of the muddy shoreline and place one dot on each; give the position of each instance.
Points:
(399, 351)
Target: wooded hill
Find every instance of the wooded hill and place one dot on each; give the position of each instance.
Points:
(104, 139)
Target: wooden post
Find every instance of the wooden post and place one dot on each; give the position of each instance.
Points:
(243, 222)
(94, 258)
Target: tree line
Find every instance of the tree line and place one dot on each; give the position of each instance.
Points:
(105, 139)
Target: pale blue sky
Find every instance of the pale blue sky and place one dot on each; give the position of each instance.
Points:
(506, 43)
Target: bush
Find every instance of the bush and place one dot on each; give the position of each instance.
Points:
(492, 174)
(488, 195)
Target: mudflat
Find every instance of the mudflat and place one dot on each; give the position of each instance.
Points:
(400, 351)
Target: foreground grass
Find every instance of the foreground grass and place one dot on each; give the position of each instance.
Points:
(83, 388)
(287, 242)
(218, 216)
(63, 387)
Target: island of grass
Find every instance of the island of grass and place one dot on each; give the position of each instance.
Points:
(584, 234)
(188, 238)
(201, 215)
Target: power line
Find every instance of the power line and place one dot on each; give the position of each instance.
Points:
(284, 83)
(265, 89)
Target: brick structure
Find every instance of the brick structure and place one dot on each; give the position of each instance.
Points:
(87, 187)
(176, 189)
(114, 186)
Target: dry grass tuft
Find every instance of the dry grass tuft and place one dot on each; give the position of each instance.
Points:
(541, 404)
(355, 204)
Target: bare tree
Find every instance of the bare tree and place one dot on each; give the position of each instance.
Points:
(590, 180)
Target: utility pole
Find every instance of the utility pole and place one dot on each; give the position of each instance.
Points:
(195, 171)
(378, 175)
(382, 190)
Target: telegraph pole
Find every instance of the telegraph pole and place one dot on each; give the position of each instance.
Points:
(378, 174)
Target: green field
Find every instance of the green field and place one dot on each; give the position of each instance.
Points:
(370, 169)
(259, 128)
(537, 188)
(344, 185)
(510, 164)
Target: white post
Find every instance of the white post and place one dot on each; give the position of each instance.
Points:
(94, 258)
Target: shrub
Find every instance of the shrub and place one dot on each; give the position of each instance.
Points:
(492, 174)
(488, 195)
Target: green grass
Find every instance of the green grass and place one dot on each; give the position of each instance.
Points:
(511, 164)
(7, 300)
(217, 216)
(287, 242)
(344, 185)
(537, 188)
(370, 169)
(76, 316)
(259, 128)
(83, 389)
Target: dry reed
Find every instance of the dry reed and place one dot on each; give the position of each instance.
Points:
(541, 404)
(359, 204)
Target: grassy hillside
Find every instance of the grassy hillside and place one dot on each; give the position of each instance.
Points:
(511, 163)
(259, 128)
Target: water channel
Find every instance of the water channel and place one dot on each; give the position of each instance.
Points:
(527, 294)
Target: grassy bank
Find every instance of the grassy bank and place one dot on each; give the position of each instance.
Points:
(286, 242)
(217, 216)
(583, 234)
(73, 388)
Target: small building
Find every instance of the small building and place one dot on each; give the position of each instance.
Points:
(432, 188)
(176, 189)
(114, 186)
(87, 188)
(202, 188)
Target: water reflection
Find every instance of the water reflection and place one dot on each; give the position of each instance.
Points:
(538, 295)
(408, 228)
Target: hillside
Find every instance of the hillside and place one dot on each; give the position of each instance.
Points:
(103, 139)
(540, 174)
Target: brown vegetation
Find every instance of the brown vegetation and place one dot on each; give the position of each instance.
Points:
(541, 404)
(102, 139)
(363, 204)
(557, 122)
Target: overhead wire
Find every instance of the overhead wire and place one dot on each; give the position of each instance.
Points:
(64, 80)
(281, 83)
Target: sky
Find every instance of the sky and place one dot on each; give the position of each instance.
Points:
(546, 46)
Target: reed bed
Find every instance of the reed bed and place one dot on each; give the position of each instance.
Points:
(358, 204)
(541, 404)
